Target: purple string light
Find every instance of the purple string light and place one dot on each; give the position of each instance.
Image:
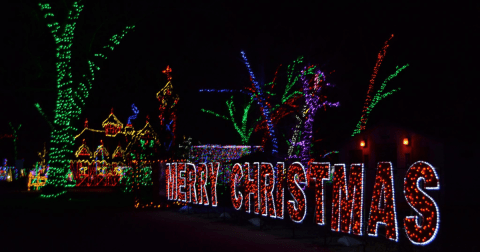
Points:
(313, 101)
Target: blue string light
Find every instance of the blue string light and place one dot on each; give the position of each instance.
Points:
(260, 100)
(224, 91)
(135, 113)
(169, 129)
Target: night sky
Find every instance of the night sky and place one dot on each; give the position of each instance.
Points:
(202, 44)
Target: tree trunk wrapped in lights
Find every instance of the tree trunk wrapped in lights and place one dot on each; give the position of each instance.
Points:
(313, 101)
(71, 95)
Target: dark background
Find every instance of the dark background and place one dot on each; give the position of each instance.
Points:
(202, 44)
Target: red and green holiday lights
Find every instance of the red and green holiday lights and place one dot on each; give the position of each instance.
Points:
(260, 98)
(276, 112)
(291, 81)
(70, 97)
(370, 101)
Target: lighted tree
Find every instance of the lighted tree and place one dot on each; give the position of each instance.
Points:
(71, 94)
(370, 101)
(244, 131)
(314, 84)
(279, 108)
(274, 109)
(260, 96)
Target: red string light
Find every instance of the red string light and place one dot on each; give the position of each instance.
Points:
(352, 213)
(366, 104)
(339, 196)
(267, 186)
(181, 182)
(422, 228)
(251, 186)
(383, 194)
(202, 174)
(347, 204)
(318, 173)
(279, 190)
(191, 173)
(235, 178)
(297, 208)
(171, 181)
(213, 177)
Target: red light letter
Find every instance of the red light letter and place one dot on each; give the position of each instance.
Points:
(319, 172)
(352, 213)
(191, 180)
(383, 192)
(181, 182)
(339, 195)
(202, 174)
(279, 190)
(213, 175)
(297, 208)
(171, 181)
(236, 176)
(267, 184)
(251, 187)
(427, 210)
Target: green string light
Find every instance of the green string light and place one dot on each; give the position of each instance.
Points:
(44, 116)
(378, 97)
(70, 96)
(290, 81)
(243, 131)
(130, 179)
(52, 195)
(14, 137)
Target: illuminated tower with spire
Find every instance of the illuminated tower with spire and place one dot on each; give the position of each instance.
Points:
(168, 118)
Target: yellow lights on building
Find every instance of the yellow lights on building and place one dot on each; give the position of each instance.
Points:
(112, 125)
(406, 141)
(83, 150)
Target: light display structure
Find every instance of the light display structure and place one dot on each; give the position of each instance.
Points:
(71, 95)
(223, 154)
(102, 167)
(263, 193)
(37, 178)
(168, 116)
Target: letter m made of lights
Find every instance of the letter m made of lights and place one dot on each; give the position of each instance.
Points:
(71, 93)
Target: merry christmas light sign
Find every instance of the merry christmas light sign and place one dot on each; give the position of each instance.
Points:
(260, 188)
